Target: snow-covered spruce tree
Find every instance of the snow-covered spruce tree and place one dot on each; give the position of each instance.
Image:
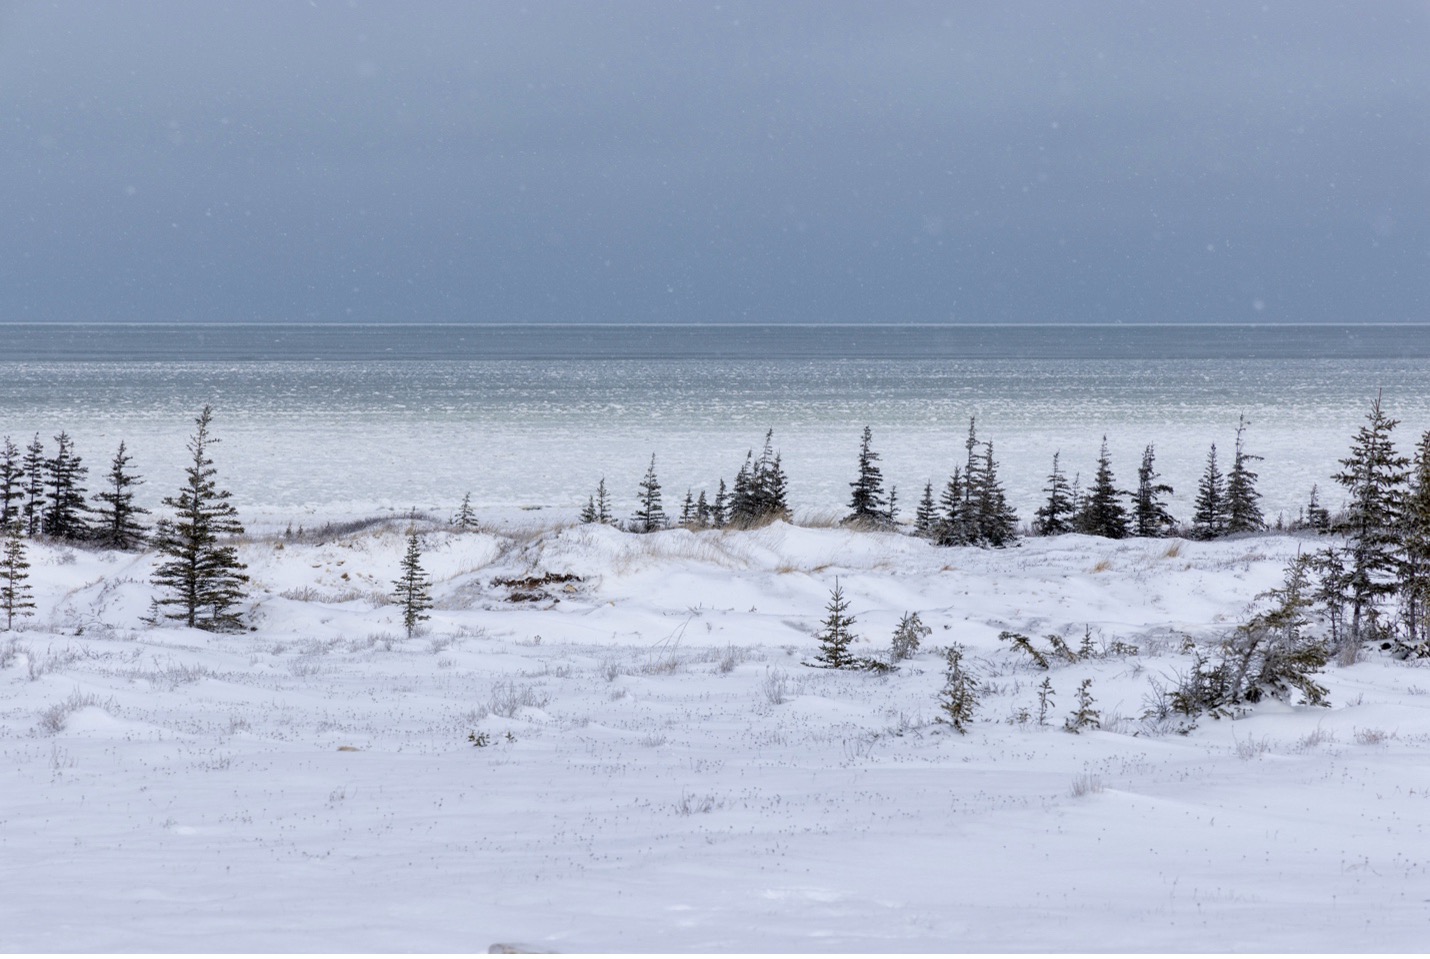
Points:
(413, 587)
(994, 522)
(588, 512)
(959, 696)
(1374, 477)
(603, 503)
(65, 507)
(12, 484)
(702, 511)
(117, 524)
(1054, 517)
(199, 571)
(33, 466)
(1209, 510)
(952, 527)
(926, 516)
(760, 490)
(1085, 716)
(1149, 512)
(1243, 510)
(1317, 516)
(836, 636)
(465, 518)
(720, 509)
(1414, 640)
(907, 636)
(650, 516)
(687, 510)
(15, 597)
(867, 502)
(1102, 512)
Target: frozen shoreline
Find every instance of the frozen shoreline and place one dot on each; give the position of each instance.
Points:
(661, 771)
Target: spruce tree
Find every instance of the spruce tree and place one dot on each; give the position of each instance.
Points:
(836, 636)
(34, 469)
(1084, 717)
(466, 518)
(993, 520)
(760, 489)
(959, 697)
(588, 512)
(1102, 511)
(1054, 517)
(65, 506)
(952, 528)
(867, 501)
(1415, 557)
(603, 503)
(1374, 477)
(15, 596)
(702, 511)
(650, 516)
(720, 509)
(1149, 513)
(199, 571)
(1209, 511)
(926, 516)
(1317, 516)
(118, 525)
(910, 632)
(12, 485)
(413, 586)
(687, 510)
(1243, 512)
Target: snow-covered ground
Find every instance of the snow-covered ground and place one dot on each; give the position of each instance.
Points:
(662, 772)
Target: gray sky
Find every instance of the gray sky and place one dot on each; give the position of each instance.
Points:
(715, 162)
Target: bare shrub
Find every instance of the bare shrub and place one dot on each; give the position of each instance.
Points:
(690, 804)
(1085, 784)
(1371, 737)
(507, 698)
(55, 718)
(1251, 747)
(776, 686)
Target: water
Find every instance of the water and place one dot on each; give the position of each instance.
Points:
(320, 422)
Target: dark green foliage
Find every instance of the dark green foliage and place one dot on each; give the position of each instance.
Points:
(1317, 516)
(910, 632)
(1085, 716)
(1414, 640)
(1022, 644)
(1243, 510)
(926, 516)
(1272, 654)
(413, 587)
(720, 509)
(1209, 517)
(65, 507)
(1055, 516)
(867, 501)
(200, 572)
(33, 466)
(1102, 512)
(702, 511)
(15, 597)
(959, 697)
(12, 484)
(650, 516)
(836, 636)
(465, 518)
(759, 496)
(1374, 476)
(688, 516)
(951, 528)
(975, 507)
(117, 523)
(1149, 513)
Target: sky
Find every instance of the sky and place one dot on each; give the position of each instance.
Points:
(313, 161)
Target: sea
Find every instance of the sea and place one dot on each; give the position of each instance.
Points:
(321, 423)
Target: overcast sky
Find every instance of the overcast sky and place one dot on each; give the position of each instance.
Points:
(673, 162)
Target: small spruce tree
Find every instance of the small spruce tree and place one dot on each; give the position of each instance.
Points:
(1150, 517)
(1209, 511)
(15, 596)
(1243, 509)
(1102, 512)
(836, 636)
(959, 697)
(413, 586)
(1414, 640)
(603, 504)
(907, 636)
(1317, 516)
(465, 518)
(1045, 700)
(1054, 517)
(65, 505)
(650, 517)
(33, 466)
(867, 501)
(199, 570)
(118, 525)
(12, 484)
(1085, 716)
(926, 516)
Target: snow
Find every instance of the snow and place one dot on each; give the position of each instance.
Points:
(662, 772)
